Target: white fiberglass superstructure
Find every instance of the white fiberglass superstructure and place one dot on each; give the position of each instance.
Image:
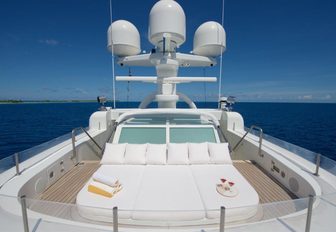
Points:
(167, 169)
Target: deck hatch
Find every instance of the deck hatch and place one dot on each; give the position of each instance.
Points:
(192, 135)
(140, 135)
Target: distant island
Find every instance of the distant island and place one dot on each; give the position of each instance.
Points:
(11, 101)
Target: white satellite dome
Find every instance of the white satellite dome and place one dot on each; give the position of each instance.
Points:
(167, 18)
(209, 39)
(124, 38)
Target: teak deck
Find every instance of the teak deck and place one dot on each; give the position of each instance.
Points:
(67, 187)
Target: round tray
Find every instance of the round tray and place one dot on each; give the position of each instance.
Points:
(227, 193)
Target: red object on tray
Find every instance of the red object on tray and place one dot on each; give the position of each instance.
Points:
(223, 180)
(231, 183)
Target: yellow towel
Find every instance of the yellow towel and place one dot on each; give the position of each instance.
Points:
(103, 190)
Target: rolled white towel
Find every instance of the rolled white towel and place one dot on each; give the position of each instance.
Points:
(107, 180)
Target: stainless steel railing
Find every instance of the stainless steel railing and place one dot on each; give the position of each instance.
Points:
(73, 140)
(222, 218)
(261, 135)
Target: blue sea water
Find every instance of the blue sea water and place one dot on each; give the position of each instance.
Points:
(312, 126)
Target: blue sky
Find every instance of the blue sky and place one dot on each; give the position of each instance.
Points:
(277, 50)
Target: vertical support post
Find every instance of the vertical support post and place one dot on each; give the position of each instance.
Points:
(318, 161)
(17, 163)
(73, 140)
(24, 214)
(222, 219)
(115, 219)
(261, 135)
(309, 213)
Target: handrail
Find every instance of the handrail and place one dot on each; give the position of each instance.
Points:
(221, 133)
(307, 208)
(24, 214)
(114, 128)
(73, 139)
(261, 135)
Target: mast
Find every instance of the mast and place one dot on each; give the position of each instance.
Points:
(167, 32)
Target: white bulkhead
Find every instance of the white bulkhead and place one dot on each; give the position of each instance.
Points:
(209, 39)
(167, 19)
(124, 38)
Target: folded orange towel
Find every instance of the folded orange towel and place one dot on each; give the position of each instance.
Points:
(103, 190)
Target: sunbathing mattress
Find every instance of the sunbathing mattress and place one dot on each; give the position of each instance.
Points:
(239, 207)
(168, 193)
(99, 208)
(155, 194)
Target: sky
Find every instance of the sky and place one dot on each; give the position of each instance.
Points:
(277, 50)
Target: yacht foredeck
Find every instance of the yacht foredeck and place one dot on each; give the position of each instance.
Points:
(66, 188)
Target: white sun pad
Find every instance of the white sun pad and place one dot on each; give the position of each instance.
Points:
(175, 193)
(99, 208)
(244, 204)
(168, 193)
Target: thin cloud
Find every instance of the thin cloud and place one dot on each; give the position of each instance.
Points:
(50, 90)
(306, 97)
(105, 90)
(13, 37)
(327, 97)
(81, 91)
(72, 91)
(50, 42)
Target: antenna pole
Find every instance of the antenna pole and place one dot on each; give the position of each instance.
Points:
(221, 62)
(128, 85)
(205, 89)
(112, 61)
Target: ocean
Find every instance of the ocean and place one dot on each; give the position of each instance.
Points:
(312, 126)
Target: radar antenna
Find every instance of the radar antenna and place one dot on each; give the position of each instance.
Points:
(167, 32)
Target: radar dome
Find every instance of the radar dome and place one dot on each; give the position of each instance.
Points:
(167, 19)
(209, 39)
(123, 38)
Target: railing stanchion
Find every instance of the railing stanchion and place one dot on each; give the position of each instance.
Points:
(73, 140)
(24, 214)
(94, 141)
(261, 135)
(115, 219)
(309, 213)
(17, 163)
(222, 219)
(318, 162)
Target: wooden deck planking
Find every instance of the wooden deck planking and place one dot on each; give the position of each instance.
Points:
(67, 187)
(64, 191)
(268, 189)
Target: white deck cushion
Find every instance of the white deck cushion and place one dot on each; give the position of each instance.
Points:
(219, 153)
(99, 208)
(135, 154)
(168, 193)
(113, 153)
(156, 154)
(198, 153)
(177, 153)
(244, 204)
